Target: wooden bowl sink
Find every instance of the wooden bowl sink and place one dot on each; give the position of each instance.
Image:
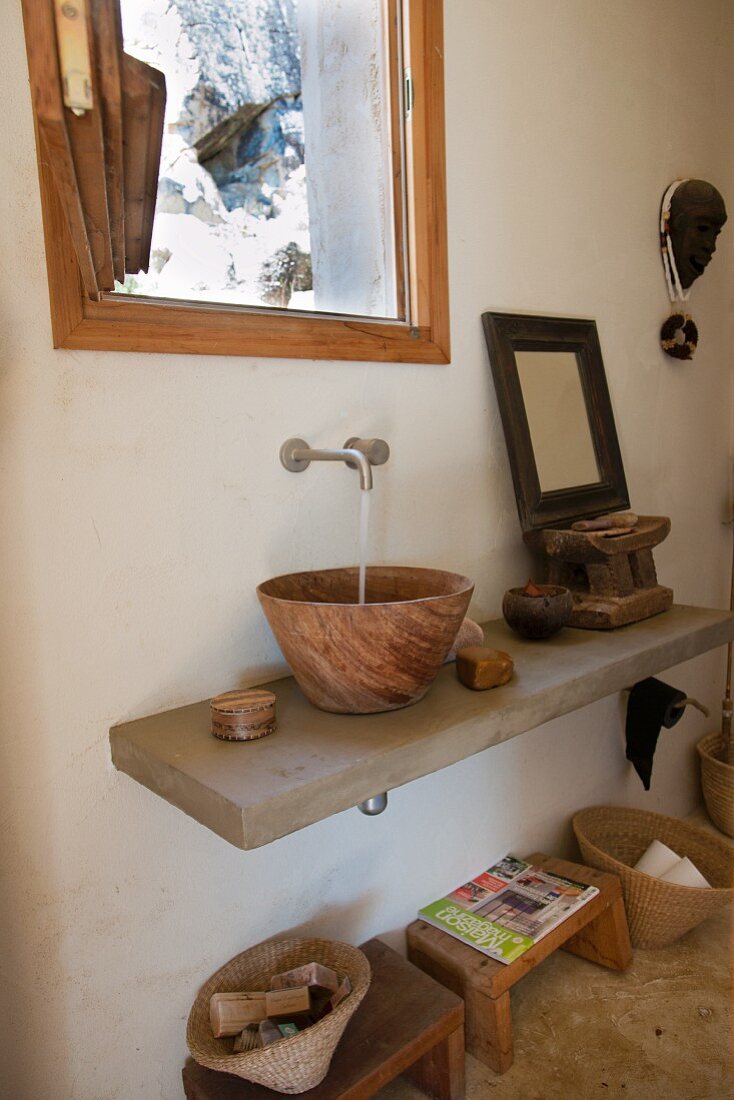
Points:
(359, 659)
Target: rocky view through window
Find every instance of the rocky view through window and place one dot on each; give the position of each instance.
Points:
(260, 201)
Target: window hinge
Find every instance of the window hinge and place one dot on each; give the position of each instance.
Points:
(73, 49)
(408, 93)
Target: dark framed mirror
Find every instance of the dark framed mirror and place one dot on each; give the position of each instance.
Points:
(557, 417)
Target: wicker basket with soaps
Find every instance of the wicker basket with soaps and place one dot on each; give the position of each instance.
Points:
(275, 1013)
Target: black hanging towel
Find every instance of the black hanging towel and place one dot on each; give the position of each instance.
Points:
(651, 705)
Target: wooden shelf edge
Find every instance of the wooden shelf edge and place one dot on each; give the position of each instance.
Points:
(311, 769)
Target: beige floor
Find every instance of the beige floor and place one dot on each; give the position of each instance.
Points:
(661, 1030)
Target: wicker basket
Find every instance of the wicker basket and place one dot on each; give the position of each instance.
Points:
(290, 1065)
(612, 838)
(717, 780)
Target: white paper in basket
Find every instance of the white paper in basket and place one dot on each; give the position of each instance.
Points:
(657, 860)
(685, 873)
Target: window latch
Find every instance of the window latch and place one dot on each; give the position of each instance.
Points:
(408, 94)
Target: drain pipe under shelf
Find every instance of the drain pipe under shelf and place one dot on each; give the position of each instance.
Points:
(373, 806)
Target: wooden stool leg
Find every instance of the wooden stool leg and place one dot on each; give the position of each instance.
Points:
(611, 578)
(642, 565)
(440, 1072)
(604, 940)
(489, 1029)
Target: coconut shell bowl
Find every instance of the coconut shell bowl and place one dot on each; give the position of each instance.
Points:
(352, 658)
(537, 611)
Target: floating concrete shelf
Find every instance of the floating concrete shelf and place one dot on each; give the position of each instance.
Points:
(318, 764)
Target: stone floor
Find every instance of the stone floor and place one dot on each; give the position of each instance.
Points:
(661, 1030)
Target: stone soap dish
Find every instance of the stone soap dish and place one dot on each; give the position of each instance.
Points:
(538, 610)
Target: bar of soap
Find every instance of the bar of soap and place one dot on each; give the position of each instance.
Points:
(248, 1039)
(343, 991)
(480, 668)
(287, 1002)
(313, 974)
(269, 1033)
(229, 1013)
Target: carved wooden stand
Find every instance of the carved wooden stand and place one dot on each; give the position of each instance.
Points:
(613, 580)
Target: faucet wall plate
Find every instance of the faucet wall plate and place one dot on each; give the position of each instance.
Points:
(295, 465)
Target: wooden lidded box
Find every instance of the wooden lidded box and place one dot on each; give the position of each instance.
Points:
(243, 715)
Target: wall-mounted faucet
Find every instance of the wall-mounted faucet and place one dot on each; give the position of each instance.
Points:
(360, 454)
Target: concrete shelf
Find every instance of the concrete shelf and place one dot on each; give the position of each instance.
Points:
(318, 764)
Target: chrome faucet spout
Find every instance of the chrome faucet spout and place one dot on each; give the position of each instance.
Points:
(350, 455)
(360, 454)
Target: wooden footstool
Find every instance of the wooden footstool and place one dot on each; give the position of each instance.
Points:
(407, 1023)
(598, 931)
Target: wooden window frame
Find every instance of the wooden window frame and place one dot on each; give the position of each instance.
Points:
(123, 323)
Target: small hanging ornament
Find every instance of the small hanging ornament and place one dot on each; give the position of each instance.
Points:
(679, 336)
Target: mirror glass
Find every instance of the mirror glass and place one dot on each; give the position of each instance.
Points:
(557, 418)
(277, 183)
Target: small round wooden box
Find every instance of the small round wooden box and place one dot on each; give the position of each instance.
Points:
(243, 715)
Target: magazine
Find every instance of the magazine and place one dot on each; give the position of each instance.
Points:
(507, 908)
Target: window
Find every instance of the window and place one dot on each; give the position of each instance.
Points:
(295, 213)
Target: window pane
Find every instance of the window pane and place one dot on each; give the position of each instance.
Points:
(276, 178)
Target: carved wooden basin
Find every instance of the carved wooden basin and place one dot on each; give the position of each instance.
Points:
(359, 659)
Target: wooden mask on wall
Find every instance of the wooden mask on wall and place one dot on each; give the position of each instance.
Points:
(691, 217)
(697, 215)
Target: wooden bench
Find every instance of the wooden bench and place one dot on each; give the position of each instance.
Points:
(407, 1023)
(598, 932)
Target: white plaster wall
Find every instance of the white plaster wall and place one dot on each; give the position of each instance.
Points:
(142, 501)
